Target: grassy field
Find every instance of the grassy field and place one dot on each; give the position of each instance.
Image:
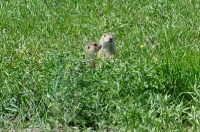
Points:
(152, 85)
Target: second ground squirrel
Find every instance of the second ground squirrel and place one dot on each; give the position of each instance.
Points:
(91, 49)
(108, 49)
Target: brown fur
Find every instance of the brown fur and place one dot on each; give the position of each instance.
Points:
(92, 48)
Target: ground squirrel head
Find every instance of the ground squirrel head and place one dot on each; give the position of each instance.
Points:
(92, 47)
(106, 40)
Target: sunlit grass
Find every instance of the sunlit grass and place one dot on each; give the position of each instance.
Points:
(153, 85)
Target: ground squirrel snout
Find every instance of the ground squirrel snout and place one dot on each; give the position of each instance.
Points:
(108, 50)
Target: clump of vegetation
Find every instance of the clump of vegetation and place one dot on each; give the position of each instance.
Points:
(152, 85)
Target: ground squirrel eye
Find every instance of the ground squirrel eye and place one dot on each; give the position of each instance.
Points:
(95, 44)
(104, 35)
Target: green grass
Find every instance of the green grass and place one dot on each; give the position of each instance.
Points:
(154, 88)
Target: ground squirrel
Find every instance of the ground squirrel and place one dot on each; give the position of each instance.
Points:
(92, 48)
(108, 49)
